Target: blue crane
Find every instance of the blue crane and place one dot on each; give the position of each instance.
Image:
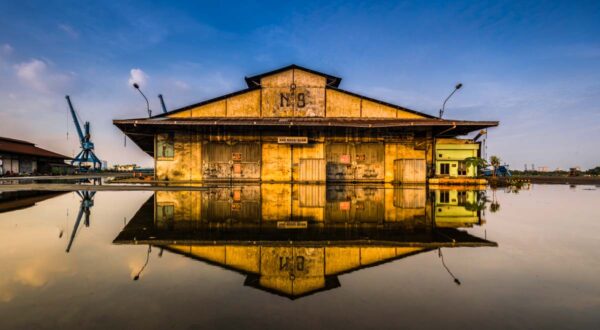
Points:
(86, 155)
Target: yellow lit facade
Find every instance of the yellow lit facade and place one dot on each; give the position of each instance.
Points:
(296, 125)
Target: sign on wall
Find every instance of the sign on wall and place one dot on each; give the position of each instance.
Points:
(292, 140)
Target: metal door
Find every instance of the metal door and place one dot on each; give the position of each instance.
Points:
(312, 170)
(410, 170)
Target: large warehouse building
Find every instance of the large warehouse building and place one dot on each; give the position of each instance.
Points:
(296, 125)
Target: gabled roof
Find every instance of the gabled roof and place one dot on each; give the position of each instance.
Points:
(254, 81)
(14, 146)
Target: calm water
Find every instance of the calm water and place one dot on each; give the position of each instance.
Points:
(300, 257)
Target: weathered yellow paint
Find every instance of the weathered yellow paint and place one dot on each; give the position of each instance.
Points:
(244, 105)
(276, 202)
(276, 162)
(214, 253)
(342, 105)
(372, 109)
(370, 255)
(245, 258)
(304, 151)
(308, 202)
(186, 204)
(394, 151)
(341, 259)
(306, 93)
(185, 164)
(317, 101)
(294, 271)
(405, 204)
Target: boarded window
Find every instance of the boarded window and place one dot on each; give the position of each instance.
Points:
(164, 146)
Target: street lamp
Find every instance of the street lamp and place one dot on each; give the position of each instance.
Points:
(136, 86)
(457, 87)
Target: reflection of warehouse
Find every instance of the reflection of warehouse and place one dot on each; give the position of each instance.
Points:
(295, 240)
(295, 124)
(22, 157)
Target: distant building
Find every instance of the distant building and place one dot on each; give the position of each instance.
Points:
(543, 169)
(19, 157)
(125, 167)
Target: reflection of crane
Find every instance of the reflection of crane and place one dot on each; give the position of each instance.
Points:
(86, 155)
(87, 201)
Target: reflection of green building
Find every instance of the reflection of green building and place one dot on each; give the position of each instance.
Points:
(294, 240)
(457, 208)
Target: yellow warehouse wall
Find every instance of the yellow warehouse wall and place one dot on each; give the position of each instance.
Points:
(342, 105)
(319, 101)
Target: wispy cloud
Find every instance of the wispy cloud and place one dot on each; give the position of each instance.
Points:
(181, 85)
(69, 30)
(37, 75)
(7, 49)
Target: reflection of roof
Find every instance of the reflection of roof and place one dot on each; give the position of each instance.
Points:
(291, 263)
(16, 200)
(14, 146)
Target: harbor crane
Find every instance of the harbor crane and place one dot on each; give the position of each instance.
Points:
(86, 155)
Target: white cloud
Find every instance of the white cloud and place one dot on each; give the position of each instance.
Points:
(35, 74)
(181, 85)
(138, 76)
(69, 30)
(7, 49)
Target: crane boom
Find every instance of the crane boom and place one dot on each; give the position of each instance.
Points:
(86, 155)
(76, 121)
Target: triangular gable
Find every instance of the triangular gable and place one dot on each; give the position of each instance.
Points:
(294, 91)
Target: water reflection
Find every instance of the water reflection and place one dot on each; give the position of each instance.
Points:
(295, 240)
(18, 200)
(87, 201)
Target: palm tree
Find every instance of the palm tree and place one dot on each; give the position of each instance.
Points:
(495, 162)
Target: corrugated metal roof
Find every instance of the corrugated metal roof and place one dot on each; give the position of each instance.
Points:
(304, 121)
(14, 146)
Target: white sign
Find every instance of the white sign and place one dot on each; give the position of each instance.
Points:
(292, 140)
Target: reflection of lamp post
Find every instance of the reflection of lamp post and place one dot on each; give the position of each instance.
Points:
(457, 87)
(137, 276)
(447, 269)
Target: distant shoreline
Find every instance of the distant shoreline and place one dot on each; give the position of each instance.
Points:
(541, 179)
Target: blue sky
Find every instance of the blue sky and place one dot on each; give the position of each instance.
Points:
(534, 66)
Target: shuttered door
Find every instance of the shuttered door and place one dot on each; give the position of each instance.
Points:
(312, 170)
(237, 161)
(410, 170)
(339, 161)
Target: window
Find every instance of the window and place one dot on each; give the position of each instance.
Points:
(462, 198)
(444, 197)
(164, 146)
(445, 169)
(165, 212)
(462, 168)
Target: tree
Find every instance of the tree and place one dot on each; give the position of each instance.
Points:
(476, 162)
(594, 171)
(495, 162)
